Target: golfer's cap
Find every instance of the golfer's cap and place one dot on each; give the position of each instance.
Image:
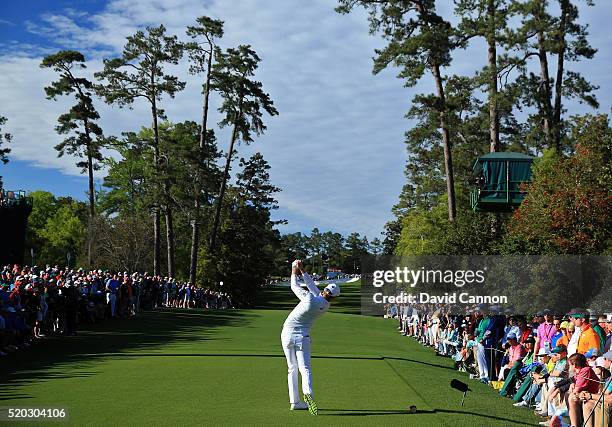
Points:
(564, 324)
(577, 313)
(529, 339)
(599, 362)
(333, 289)
(592, 353)
(559, 349)
(543, 352)
(607, 355)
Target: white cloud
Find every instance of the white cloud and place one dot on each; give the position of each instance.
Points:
(336, 149)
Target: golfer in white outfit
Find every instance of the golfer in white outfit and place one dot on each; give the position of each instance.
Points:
(295, 336)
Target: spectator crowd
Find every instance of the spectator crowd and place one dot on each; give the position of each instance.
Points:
(556, 364)
(37, 302)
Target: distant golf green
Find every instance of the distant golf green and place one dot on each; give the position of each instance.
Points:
(193, 367)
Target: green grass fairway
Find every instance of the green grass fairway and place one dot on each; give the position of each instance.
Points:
(190, 367)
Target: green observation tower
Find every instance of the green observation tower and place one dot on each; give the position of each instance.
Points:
(15, 207)
(500, 179)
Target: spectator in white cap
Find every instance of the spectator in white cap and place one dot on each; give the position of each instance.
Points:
(532, 385)
(591, 356)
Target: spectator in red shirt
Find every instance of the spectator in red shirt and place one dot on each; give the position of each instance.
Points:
(516, 352)
(525, 330)
(585, 380)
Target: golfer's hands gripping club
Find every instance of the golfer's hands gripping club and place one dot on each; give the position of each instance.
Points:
(297, 267)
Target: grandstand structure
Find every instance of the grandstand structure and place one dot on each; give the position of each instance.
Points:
(15, 208)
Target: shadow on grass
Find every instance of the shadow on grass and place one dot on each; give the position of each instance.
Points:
(70, 357)
(489, 417)
(368, 412)
(420, 362)
(279, 355)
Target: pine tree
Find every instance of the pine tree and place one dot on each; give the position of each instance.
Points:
(486, 19)
(86, 139)
(420, 40)
(201, 54)
(254, 183)
(139, 73)
(542, 36)
(244, 103)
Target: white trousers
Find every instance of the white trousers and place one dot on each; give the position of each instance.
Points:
(481, 358)
(297, 351)
(434, 333)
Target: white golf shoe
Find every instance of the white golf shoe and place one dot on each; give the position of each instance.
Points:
(300, 406)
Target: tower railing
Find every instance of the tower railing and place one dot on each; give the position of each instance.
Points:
(13, 197)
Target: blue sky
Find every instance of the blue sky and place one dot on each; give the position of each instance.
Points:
(336, 149)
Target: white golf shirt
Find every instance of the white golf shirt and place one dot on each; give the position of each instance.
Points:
(312, 305)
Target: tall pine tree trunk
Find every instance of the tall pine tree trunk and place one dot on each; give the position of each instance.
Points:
(213, 235)
(195, 241)
(169, 240)
(446, 139)
(156, 213)
(168, 219)
(494, 143)
(195, 227)
(492, 59)
(544, 80)
(545, 89)
(92, 211)
(157, 241)
(448, 157)
(559, 78)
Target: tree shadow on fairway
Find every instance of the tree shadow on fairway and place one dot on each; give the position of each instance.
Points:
(369, 412)
(420, 362)
(489, 417)
(282, 356)
(71, 357)
(379, 412)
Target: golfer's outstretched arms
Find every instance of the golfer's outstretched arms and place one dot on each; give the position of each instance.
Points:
(310, 284)
(297, 289)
